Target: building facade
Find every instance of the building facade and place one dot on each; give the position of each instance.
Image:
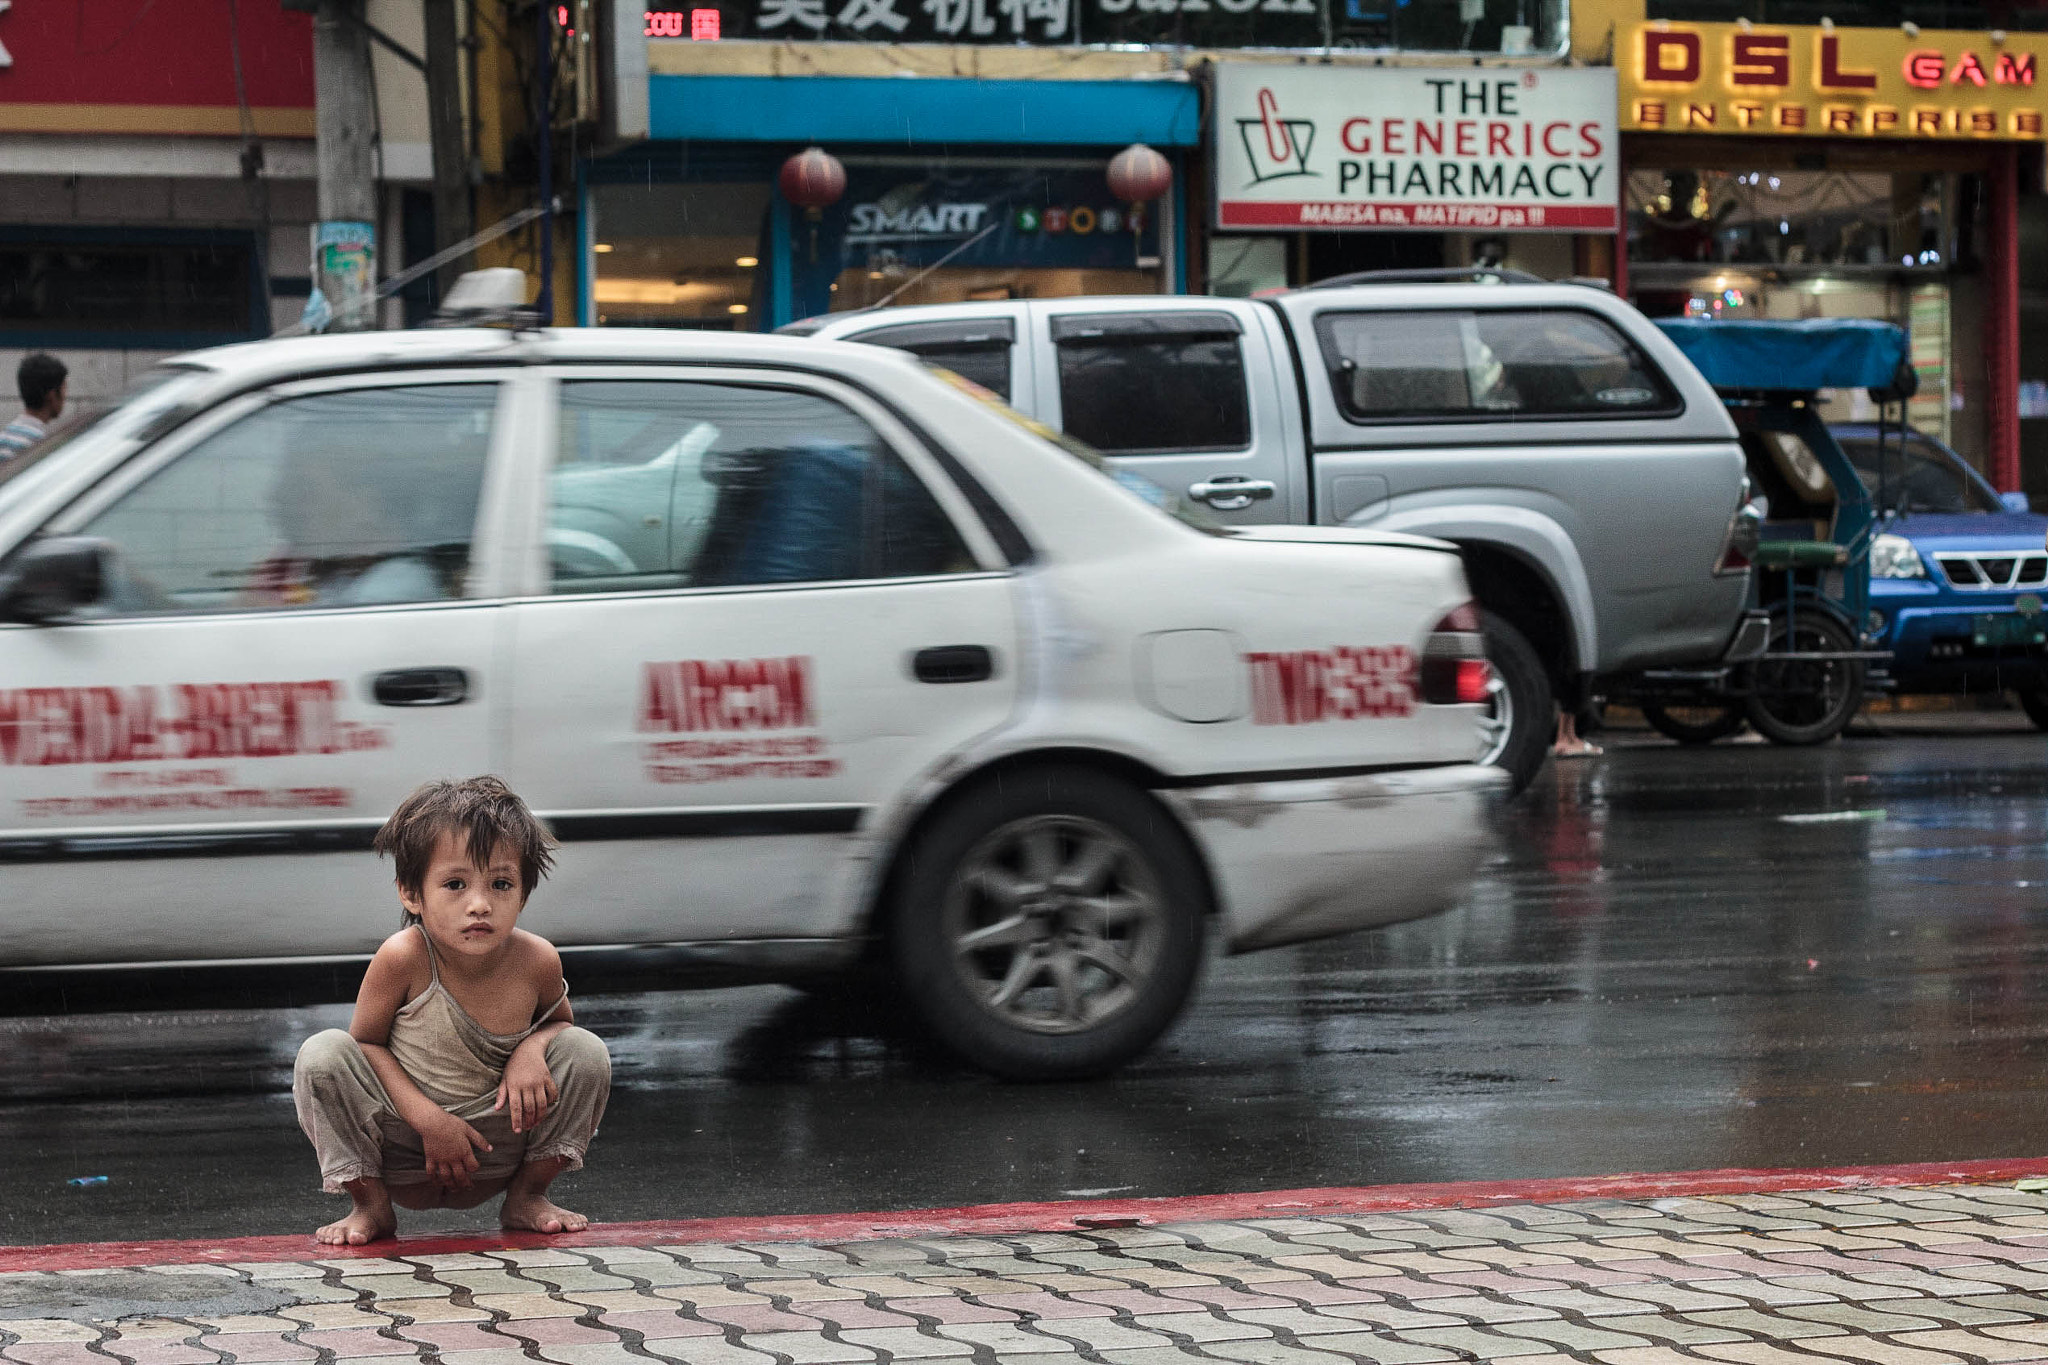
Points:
(975, 136)
(158, 177)
(1875, 163)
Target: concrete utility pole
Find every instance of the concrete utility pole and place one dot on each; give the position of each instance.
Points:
(444, 119)
(345, 238)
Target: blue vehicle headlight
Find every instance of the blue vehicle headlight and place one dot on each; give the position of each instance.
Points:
(1895, 557)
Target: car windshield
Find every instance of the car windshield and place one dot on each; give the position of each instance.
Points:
(1143, 489)
(1924, 477)
(156, 392)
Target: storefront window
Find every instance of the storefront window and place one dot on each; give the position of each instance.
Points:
(679, 255)
(1240, 267)
(1795, 218)
(108, 286)
(936, 232)
(1781, 243)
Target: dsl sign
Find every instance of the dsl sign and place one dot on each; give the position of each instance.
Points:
(1879, 83)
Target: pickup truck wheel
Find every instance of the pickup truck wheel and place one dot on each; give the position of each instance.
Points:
(1521, 720)
(1049, 924)
(1805, 701)
(1693, 724)
(2035, 704)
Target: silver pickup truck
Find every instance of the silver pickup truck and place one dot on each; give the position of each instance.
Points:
(1589, 473)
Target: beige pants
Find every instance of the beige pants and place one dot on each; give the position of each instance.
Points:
(356, 1130)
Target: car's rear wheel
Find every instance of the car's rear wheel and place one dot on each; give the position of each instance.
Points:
(1521, 717)
(1693, 724)
(1047, 924)
(2035, 703)
(1805, 701)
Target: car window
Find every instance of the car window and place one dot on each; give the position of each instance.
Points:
(988, 366)
(361, 498)
(154, 394)
(1500, 363)
(1135, 485)
(976, 349)
(1140, 393)
(674, 484)
(1921, 478)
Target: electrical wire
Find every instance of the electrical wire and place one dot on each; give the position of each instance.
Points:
(256, 187)
(119, 38)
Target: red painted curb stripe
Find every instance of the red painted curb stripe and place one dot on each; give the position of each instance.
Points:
(1043, 1217)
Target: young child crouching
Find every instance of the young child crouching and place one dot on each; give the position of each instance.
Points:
(461, 1073)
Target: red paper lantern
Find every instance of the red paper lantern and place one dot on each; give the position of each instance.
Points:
(1138, 174)
(812, 179)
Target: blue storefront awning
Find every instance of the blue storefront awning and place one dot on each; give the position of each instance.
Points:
(922, 110)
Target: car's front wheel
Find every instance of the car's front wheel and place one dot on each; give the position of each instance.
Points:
(1521, 714)
(1047, 924)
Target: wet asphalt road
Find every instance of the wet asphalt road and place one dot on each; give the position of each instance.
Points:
(1661, 972)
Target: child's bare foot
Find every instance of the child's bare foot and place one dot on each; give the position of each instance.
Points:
(370, 1219)
(526, 1200)
(534, 1212)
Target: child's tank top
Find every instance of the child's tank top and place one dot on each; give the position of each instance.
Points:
(450, 1056)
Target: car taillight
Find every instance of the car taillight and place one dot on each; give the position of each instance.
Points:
(1745, 529)
(1454, 668)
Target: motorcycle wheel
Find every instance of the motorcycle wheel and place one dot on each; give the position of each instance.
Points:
(1805, 701)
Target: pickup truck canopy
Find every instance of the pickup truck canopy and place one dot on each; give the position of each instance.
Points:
(1818, 353)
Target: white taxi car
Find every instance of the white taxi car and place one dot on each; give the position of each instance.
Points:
(802, 650)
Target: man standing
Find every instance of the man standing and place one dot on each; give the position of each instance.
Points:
(41, 381)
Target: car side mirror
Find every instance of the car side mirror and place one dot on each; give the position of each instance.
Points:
(2015, 502)
(51, 579)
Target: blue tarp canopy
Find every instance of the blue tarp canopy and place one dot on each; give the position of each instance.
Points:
(1818, 353)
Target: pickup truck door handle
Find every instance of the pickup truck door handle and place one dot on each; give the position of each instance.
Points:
(421, 687)
(1232, 492)
(953, 664)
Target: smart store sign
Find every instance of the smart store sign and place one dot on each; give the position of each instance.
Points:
(1809, 82)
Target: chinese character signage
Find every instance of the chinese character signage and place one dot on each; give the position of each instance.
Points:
(1336, 148)
(1848, 82)
(1191, 23)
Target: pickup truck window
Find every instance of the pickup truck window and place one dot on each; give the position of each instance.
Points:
(1139, 487)
(978, 350)
(1173, 386)
(1487, 364)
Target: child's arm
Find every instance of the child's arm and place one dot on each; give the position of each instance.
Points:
(528, 1088)
(449, 1142)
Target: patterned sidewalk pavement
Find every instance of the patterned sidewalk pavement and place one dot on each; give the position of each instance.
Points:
(1888, 1276)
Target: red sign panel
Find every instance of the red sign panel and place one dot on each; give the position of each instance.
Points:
(143, 66)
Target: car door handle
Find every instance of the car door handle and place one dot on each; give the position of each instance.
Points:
(1232, 492)
(421, 687)
(954, 664)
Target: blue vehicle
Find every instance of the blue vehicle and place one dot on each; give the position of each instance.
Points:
(1958, 571)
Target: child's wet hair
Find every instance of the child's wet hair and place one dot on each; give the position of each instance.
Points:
(485, 810)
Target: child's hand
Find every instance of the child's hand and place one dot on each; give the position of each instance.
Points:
(527, 1090)
(451, 1147)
